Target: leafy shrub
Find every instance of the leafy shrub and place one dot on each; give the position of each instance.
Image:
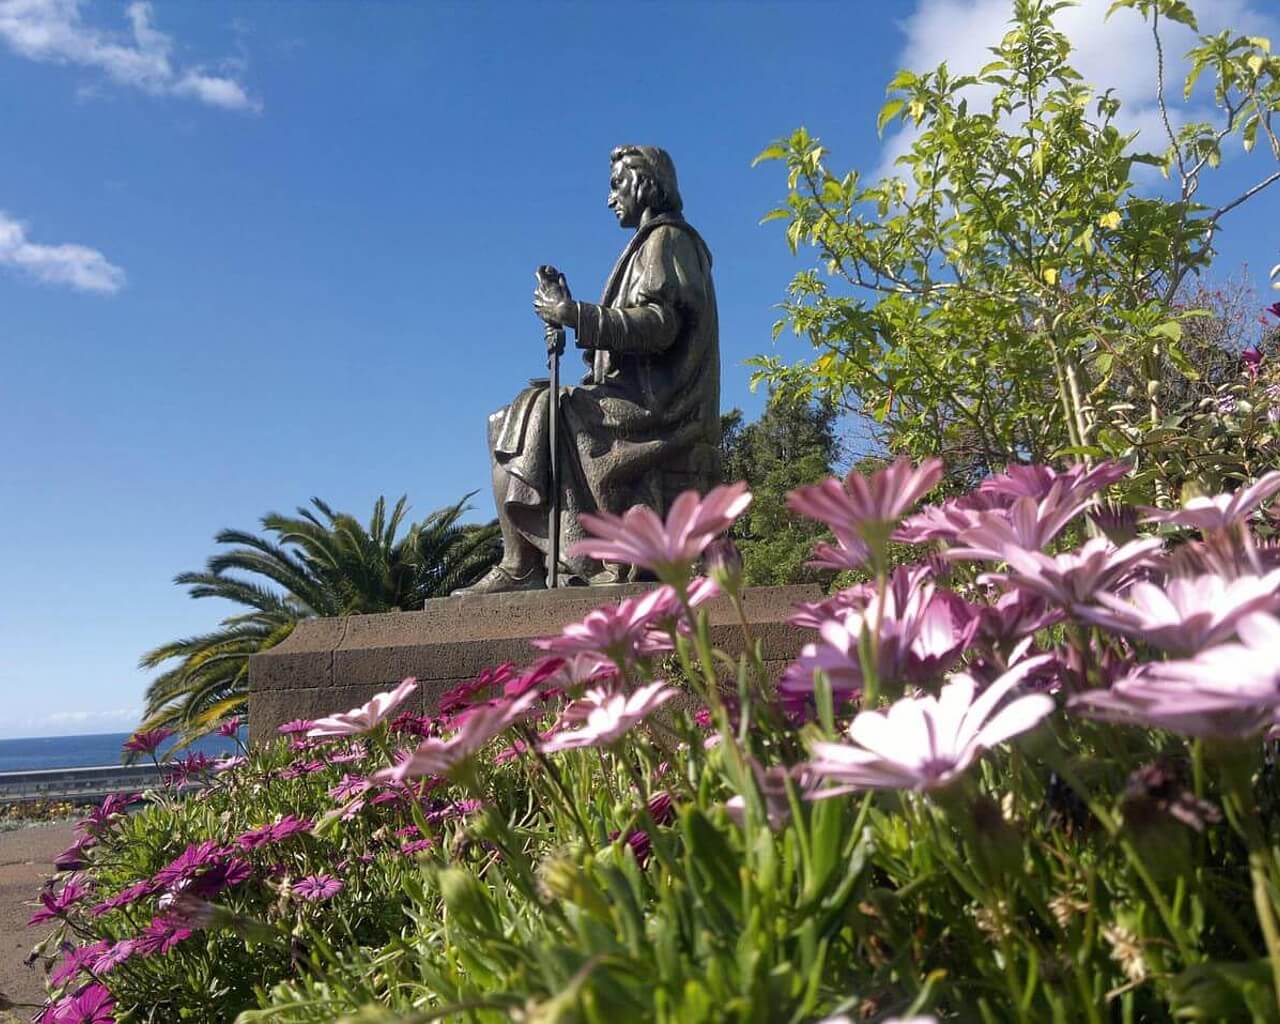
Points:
(1049, 794)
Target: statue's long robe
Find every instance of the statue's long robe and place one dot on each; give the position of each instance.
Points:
(645, 424)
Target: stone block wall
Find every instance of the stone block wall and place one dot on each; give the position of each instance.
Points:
(330, 665)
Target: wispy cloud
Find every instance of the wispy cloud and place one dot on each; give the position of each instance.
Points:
(76, 266)
(1118, 52)
(54, 31)
(73, 723)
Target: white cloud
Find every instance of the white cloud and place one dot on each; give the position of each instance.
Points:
(1117, 52)
(72, 723)
(76, 266)
(83, 718)
(53, 31)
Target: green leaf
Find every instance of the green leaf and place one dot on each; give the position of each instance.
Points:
(774, 152)
(1180, 360)
(887, 113)
(1170, 329)
(780, 213)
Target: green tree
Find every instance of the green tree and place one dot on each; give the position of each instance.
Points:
(317, 563)
(792, 443)
(980, 305)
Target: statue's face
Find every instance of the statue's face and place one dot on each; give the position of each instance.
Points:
(624, 199)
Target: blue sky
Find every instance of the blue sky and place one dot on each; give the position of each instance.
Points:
(253, 252)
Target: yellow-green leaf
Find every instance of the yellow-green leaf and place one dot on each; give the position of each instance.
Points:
(1110, 220)
(774, 152)
(888, 112)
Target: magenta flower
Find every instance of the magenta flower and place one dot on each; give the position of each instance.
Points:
(1251, 357)
(661, 808)
(365, 717)
(1073, 578)
(476, 690)
(125, 897)
(296, 726)
(416, 846)
(621, 632)
(276, 832)
(1016, 614)
(537, 677)
(921, 633)
(349, 786)
(113, 956)
(111, 808)
(1222, 510)
(1229, 691)
(1026, 524)
(72, 858)
(638, 537)
(317, 888)
(1031, 503)
(161, 935)
(438, 756)
(194, 858)
(848, 552)
(147, 742)
(1185, 615)
(222, 765)
(863, 510)
(939, 522)
(926, 743)
(1075, 483)
(93, 1005)
(230, 728)
(57, 906)
(222, 876)
(606, 716)
(75, 962)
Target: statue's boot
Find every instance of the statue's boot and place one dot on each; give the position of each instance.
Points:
(502, 581)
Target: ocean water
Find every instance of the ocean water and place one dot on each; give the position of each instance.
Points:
(20, 755)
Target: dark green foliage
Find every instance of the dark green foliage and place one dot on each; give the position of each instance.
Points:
(793, 443)
(317, 563)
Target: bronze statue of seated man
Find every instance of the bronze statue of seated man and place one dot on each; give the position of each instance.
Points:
(644, 424)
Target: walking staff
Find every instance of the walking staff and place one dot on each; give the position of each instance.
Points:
(555, 337)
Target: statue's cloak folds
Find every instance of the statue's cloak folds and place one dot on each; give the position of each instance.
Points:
(645, 423)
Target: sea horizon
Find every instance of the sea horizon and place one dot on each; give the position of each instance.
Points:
(88, 750)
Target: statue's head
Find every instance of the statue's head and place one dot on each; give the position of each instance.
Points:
(642, 178)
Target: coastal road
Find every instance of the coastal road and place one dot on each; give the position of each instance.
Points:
(26, 860)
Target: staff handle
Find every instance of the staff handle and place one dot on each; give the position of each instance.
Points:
(555, 348)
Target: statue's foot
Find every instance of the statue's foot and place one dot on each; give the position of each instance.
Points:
(501, 581)
(611, 575)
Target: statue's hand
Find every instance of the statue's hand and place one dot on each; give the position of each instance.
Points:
(551, 299)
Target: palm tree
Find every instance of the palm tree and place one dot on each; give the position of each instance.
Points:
(317, 563)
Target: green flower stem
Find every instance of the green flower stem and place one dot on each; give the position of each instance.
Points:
(869, 653)
(557, 784)
(1186, 948)
(1235, 771)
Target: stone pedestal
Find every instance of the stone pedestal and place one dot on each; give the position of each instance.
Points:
(330, 665)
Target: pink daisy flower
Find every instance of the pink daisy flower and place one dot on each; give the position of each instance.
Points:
(927, 742)
(317, 888)
(435, 756)
(1222, 510)
(622, 633)
(606, 717)
(365, 717)
(638, 537)
(864, 508)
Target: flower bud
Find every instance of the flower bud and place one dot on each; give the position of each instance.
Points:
(723, 562)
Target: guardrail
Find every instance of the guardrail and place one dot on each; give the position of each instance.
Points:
(75, 783)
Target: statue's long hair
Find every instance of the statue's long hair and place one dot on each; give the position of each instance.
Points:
(658, 190)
